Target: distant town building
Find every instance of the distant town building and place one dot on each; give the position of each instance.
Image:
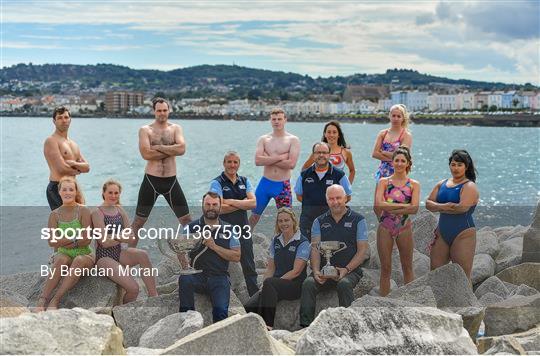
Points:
(413, 100)
(365, 92)
(122, 101)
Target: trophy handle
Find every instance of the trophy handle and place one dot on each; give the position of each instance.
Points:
(342, 246)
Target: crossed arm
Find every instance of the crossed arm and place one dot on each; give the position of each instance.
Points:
(62, 166)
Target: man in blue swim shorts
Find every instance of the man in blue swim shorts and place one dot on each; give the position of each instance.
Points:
(277, 152)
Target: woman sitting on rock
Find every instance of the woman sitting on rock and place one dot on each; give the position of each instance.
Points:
(286, 270)
(111, 218)
(71, 242)
(397, 197)
(455, 199)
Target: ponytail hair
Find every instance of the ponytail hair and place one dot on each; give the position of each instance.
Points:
(464, 157)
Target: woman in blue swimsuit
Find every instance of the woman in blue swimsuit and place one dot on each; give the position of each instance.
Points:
(455, 199)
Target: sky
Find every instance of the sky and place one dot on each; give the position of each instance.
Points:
(478, 40)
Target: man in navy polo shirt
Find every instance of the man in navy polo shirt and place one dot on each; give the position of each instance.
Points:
(311, 186)
(219, 247)
(342, 224)
(238, 197)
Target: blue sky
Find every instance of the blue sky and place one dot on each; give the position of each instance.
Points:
(480, 40)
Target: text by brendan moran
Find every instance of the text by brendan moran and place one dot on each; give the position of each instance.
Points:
(96, 271)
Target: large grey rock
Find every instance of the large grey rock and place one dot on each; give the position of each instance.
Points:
(150, 311)
(489, 298)
(10, 308)
(290, 339)
(424, 223)
(65, 331)
(531, 239)
(509, 232)
(525, 273)
(368, 301)
(516, 314)
(509, 254)
(483, 268)
(385, 331)
(421, 294)
(505, 346)
(376, 291)
(528, 340)
(486, 242)
(260, 249)
(369, 280)
(92, 292)
(524, 290)
(472, 318)
(13, 297)
(237, 335)
(27, 284)
(170, 329)
(238, 283)
(511, 287)
(288, 311)
(168, 272)
(421, 263)
(449, 284)
(133, 350)
(492, 285)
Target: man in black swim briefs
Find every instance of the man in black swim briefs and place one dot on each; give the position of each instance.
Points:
(63, 155)
(159, 144)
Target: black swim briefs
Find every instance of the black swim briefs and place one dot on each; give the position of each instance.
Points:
(53, 197)
(152, 187)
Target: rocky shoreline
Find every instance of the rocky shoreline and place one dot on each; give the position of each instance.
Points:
(437, 313)
(508, 120)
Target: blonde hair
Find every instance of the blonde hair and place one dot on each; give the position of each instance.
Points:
(276, 111)
(291, 213)
(108, 182)
(403, 110)
(79, 196)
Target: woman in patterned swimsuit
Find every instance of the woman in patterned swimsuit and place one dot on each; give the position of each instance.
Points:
(397, 197)
(388, 140)
(111, 218)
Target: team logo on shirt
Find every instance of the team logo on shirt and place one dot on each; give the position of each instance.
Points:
(292, 248)
(226, 189)
(277, 246)
(241, 186)
(329, 181)
(326, 226)
(348, 224)
(309, 180)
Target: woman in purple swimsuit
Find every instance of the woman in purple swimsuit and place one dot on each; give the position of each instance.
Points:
(455, 199)
(111, 218)
(388, 140)
(397, 197)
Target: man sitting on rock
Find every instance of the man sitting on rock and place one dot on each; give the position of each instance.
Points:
(220, 245)
(341, 224)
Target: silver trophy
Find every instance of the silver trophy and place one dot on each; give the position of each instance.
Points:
(328, 249)
(181, 246)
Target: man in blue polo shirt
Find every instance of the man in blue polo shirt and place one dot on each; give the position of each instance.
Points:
(219, 247)
(342, 224)
(238, 197)
(311, 186)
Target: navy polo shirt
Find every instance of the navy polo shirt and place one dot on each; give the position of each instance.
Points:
(226, 189)
(284, 255)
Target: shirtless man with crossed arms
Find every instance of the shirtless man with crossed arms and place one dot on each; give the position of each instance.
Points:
(63, 155)
(159, 144)
(278, 152)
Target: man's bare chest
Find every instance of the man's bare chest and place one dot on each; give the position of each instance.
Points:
(161, 137)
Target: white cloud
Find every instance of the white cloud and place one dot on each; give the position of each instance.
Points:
(364, 37)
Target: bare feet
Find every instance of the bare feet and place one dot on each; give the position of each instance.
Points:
(53, 304)
(41, 304)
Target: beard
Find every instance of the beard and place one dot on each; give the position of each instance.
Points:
(211, 214)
